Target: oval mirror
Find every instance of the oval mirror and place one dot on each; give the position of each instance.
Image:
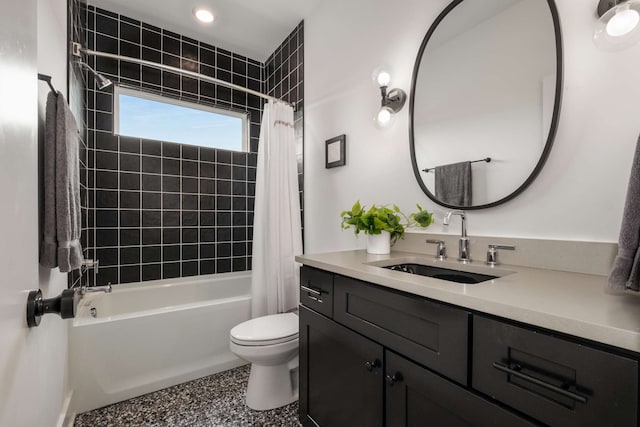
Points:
(485, 100)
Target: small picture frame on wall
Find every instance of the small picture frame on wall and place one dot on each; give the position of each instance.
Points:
(336, 152)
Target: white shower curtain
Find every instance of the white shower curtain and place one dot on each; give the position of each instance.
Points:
(277, 231)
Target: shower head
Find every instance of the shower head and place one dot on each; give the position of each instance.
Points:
(101, 81)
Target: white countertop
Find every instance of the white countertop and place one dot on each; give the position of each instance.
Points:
(573, 303)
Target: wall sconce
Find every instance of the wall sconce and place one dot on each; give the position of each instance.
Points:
(618, 26)
(392, 99)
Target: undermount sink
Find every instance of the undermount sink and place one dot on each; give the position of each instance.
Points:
(450, 275)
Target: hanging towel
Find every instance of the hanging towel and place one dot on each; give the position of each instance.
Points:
(277, 230)
(453, 184)
(62, 222)
(625, 273)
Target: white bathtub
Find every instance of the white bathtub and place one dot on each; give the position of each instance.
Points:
(152, 335)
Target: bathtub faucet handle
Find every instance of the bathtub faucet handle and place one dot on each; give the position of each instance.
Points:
(92, 264)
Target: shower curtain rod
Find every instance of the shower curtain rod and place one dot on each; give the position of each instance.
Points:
(77, 49)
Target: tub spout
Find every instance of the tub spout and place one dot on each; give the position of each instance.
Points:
(86, 289)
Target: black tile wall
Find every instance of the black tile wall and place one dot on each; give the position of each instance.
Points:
(165, 210)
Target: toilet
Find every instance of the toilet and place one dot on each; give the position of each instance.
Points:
(270, 343)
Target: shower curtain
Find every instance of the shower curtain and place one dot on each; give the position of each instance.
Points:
(277, 231)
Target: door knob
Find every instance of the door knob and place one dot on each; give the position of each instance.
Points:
(371, 365)
(392, 379)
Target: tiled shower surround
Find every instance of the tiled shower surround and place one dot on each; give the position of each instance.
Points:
(166, 210)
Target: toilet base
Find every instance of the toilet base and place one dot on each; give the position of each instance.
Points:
(271, 386)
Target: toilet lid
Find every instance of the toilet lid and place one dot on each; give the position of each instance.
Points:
(265, 330)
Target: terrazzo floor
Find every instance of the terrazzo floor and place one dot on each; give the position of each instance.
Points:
(217, 400)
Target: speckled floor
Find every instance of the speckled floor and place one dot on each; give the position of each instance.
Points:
(217, 400)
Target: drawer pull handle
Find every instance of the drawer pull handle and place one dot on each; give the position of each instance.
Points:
(312, 294)
(540, 383)
(396, 378)
(311, 291)
(372, 365)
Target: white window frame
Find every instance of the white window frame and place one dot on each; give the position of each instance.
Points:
(118, 90)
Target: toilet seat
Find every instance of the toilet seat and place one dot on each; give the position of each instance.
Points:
(266, 330)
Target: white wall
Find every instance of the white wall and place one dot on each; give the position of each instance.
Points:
(52, 60)
(579, 194)
(33, 373)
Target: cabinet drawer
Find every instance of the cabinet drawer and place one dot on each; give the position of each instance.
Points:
(558, 382)
(432, 334)
(316, 290)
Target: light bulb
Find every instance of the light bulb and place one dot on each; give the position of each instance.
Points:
(624, 21)
(619, 27)
(384, 117)
(384, 78)
(381, 76)
(203, 15)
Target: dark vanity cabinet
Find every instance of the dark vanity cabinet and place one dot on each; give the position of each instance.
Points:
(372, 356)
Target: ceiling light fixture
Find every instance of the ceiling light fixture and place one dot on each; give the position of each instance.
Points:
(618, 26)
(203, 15)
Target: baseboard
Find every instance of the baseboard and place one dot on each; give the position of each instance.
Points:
(66, 417)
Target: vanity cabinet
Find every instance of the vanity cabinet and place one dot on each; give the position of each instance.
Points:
(381, 357)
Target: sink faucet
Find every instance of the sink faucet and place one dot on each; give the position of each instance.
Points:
(463, 248)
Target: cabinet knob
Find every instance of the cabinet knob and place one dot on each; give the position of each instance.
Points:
(392, 379)
(371, 365)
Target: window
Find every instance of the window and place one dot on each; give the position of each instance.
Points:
(148, 116)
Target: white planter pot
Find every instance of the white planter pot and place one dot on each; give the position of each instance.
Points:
(379, 244)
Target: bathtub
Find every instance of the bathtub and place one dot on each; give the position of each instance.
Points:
(147, 336)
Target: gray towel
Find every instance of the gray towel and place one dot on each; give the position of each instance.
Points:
(453, 184)
(62, 223)
(625, 273)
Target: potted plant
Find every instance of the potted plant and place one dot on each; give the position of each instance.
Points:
(382, 225)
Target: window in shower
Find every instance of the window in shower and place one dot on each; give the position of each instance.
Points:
(144, 115)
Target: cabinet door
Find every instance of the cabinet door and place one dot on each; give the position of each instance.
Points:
(341, 382)
(417, 397)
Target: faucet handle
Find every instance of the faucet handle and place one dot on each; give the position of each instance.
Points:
(441, 250)
(492, 253)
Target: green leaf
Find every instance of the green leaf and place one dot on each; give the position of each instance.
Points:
(376, 219)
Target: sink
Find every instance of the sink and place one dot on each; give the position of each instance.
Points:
(441, 273)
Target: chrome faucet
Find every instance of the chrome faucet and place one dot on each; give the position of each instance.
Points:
(463, 248)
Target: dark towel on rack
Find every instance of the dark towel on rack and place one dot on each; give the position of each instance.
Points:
(453, 184)
(625, 273)
(62, 222)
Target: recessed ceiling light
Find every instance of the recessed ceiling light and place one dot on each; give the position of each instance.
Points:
(203, 15)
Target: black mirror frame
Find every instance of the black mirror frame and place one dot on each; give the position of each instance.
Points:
(554, 120)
